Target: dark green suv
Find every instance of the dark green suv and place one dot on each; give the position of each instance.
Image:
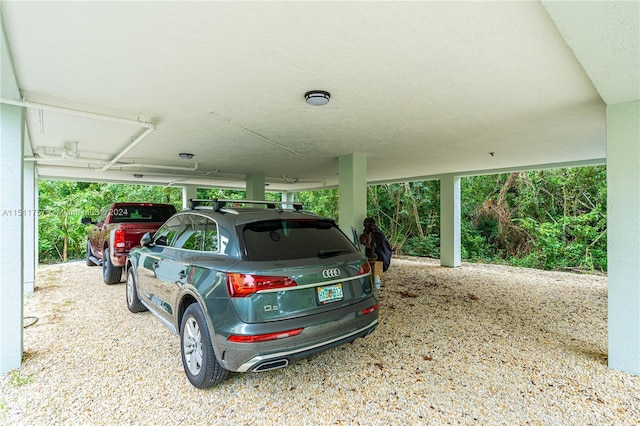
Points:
(251, 288)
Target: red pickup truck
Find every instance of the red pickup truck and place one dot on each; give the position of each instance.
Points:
(117, 230)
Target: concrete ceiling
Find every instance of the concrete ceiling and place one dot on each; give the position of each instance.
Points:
(420, 88)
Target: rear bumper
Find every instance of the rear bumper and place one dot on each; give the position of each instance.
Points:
(283, 358)
(119, 259)
(320, 334)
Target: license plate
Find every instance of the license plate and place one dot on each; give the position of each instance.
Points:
(329, 293)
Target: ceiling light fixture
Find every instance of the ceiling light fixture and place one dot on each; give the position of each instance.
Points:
(317, 97)
(185, 156)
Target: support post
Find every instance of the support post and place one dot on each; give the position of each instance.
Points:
(287, 197)
(352, 177)
(450, 220)
(12, 232)
(30, 217)
(255, 187)
(188, 192)
(623, 235)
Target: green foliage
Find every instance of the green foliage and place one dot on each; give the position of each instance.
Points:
(409, 214)
(323, 202)
(213, 193)
(547, 219)
(16, 379)
(428, 246)
(474, 246)
(232, 194)
(63, 204)
(61, 208)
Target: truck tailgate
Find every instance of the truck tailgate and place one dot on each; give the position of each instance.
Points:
(133, 232)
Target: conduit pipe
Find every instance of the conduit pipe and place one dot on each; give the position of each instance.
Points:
(77, 112)
(70, 153)
(150, 127)
(51, 157)
(156, 166)
(56, 157)
(128, 148)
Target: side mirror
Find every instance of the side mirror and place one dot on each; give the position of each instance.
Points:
(86, 221)
(146, 239)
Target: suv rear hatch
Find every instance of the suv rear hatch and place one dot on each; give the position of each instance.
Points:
(296, 267)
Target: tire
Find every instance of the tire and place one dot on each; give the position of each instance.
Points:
(133, 301)
(110, 274)
(89, 261)
(198, 358)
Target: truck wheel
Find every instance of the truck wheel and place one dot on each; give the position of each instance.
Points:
(110, 274)
(199, 360)
(89, 261)
(133, 301)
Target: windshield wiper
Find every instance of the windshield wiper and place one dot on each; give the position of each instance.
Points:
(332, 252)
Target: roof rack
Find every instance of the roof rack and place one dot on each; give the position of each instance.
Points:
(218, 203)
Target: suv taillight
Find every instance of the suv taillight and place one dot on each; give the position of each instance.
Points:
(370, 309)
(243, 285)
(364, 269)
(119, 240)
(241, 338)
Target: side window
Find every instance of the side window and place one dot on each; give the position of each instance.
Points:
(165, 234)
(191, 234)
(211, 236)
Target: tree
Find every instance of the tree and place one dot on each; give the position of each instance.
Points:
(63, 204)
(548, 219)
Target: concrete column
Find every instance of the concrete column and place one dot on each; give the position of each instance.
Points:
(352, 179)
(255, 187)
(37, 245)
(188, 192)
(623, 235)
(287, 197)
(30, 217)
(12, 232)
(450, 220)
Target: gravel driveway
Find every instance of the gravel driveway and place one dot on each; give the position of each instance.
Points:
(479, 344)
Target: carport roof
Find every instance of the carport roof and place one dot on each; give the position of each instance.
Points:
(421, 88)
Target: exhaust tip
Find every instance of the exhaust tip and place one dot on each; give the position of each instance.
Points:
(272, 365)
(371, 330)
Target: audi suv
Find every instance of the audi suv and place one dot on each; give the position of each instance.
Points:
(251, 286)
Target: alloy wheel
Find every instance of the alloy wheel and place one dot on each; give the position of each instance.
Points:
(130, 289)
(193, 346)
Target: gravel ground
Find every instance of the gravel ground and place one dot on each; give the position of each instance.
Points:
(479, 344)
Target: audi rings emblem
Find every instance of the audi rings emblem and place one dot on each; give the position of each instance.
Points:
(331, 273)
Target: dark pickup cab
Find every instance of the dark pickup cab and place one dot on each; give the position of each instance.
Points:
(117, 230)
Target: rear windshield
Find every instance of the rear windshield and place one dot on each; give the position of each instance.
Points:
(294, 239)
(141, 214)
